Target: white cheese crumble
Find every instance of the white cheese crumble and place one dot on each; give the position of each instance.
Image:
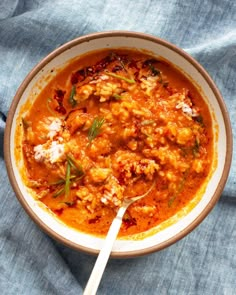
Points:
(187, 109)
(100, 79)
(52, 153)
(104, 77)
(113, 193)
(54, 128)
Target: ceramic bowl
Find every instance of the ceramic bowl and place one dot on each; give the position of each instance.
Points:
(183, 223)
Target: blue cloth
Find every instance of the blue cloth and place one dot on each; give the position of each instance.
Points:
(204, 262)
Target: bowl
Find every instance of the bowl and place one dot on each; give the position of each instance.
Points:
(185, 221)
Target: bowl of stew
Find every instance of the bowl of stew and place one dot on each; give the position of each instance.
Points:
(104, 117)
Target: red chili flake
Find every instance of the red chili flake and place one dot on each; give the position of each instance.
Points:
(149, 62)
(94, 220)
(170, 90)
(121, 178)
(74, 79)
(102, 64)
(128, 222)
(136, 75)
(51, 188)
(123, 58)
(79, 76)
(28, 149)
(116, 68)
(133, 64)
(58, 211)
(59, 96)
(60, 109)
(84, 109)
(60, 93)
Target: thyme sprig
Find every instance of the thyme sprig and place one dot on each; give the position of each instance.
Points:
(69, 178)
(130, 81)
(72, 101)
(154, 71)
(95, 128)
(179, 188)
(59, 192)
(67, 182)
(78, 168)
(116, 96)
(147, 122)
(117, 57)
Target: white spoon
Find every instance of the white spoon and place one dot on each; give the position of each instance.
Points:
(101, 262)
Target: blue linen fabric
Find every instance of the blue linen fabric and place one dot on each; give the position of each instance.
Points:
(204, 262)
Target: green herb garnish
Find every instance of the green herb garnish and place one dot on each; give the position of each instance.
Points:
(147, 122)
(130, 81)
(146, 134)
(67, 181)
(116, 96)
(154, 71)
(72, 101)
(196, 147)
(180, 188)
(165, 84)
(61, 181)
(95, 128)
(68, 178)
(119, 59)
(73, 164)
(199, 119)
(59, 192)
(69, 203)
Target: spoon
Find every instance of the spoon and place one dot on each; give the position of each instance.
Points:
(102, 259)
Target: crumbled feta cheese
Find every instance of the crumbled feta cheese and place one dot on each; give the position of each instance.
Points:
(113, 193)
(54, 128)
(104, 77)
(104, 200)
(100, 79)
(187, 109)
(51, 153)
(95, 81)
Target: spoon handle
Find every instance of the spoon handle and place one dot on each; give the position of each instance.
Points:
(101, 262)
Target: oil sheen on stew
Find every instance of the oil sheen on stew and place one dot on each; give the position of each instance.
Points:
(104, 128)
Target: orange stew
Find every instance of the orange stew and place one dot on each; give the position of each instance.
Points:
(107, 127)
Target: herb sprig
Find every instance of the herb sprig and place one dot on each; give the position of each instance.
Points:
(154, 71)
(179, 188)
(68, 182)
(72, 101)
(78, 170)
(95, 128)
(116, 96)
(113, 54)
(130, 81)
